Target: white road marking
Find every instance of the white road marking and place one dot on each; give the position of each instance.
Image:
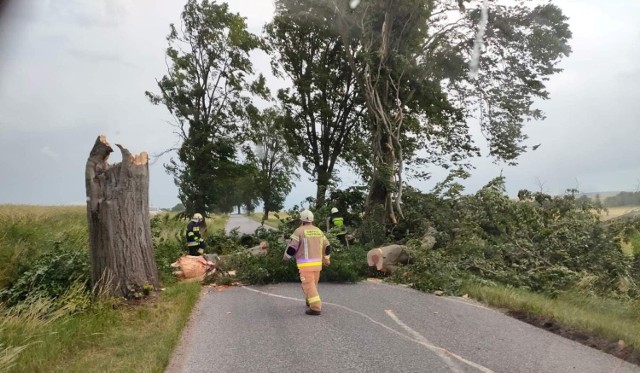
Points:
(439, 351)
(442, 352)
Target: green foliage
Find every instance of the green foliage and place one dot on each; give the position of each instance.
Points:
(324, 119)
(167, 232)
(179, 207)
(261, 269)
(432, 270)
(350, 203)
(206, 90)
(634, 240)
(221, 243)
(272, 157)
(49, 276)
(346, 265)
(104, 338)
(57, 324)
(540, 243)
(372, 230)
(27, 232)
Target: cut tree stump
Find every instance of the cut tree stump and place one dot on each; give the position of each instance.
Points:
(121, 249)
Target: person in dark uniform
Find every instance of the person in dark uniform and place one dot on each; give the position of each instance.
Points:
(195, 243)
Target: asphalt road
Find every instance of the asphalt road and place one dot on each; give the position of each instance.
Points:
(370, 327)
(244, 224)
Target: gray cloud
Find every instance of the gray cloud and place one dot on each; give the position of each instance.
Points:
(46, 150)
(97, 56)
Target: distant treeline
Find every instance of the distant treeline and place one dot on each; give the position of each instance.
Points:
(623, 199)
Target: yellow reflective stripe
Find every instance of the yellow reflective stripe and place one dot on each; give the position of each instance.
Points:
(294, 237)
(190, 234)
(310, 264)
(193, 243)
(315, 299)
(196, 229)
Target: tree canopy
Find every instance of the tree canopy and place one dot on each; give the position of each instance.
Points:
(410, 60)
(271, 156)
(207, 90)
(325, 109)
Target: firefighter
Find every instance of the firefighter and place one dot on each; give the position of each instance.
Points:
(195, 243)
(335, 223)
(312, 250)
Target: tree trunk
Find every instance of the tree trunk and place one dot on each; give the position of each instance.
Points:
(265, 216)
(322, 184)
(379, 203)
(121, 250)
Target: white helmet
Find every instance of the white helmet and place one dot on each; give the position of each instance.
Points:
(197, 217)
(306, 216)
(334, 210)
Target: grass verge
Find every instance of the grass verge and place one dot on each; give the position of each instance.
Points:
(129, 338)
(27, 232)
(606, 324)
(273, 221)
(217, 222)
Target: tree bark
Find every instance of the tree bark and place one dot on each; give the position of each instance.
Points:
(121, 250)
(322, 184)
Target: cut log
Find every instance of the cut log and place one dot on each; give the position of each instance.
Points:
(386, 259)
(121, 249)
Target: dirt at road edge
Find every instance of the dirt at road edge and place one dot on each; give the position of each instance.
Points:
(617, 349)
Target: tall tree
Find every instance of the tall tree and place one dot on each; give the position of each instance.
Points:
(245, 191)
(274, 160)
(322, 100)
(411, 61)
(206, 90)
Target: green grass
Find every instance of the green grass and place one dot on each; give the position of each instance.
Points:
(608, 318)
(29, 231)
(173, 226)
(126, 339)
(633, 247)
(217, 222)
(123, 339)
(273, 221)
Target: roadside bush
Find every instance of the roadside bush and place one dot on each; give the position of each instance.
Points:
(50, 276)
(221, 243)
(27, 232)
(168, 244)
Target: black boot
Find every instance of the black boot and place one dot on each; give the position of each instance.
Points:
(312, 312)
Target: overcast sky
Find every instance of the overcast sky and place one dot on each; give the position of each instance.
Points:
(71, 70)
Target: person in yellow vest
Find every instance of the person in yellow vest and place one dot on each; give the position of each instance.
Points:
(312, 250)
(195, 243)
(335, 223)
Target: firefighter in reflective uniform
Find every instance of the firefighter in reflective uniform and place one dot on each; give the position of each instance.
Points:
(335, 223)
(312, 250)
(195, 243)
